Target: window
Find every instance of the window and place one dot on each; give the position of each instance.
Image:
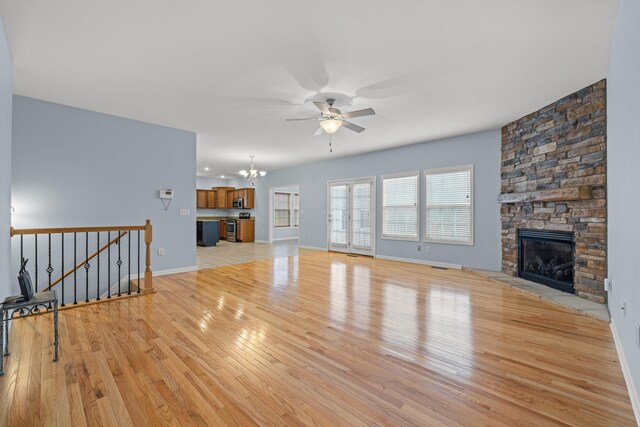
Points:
(282, 209)
(400, 206)
(449, 213)
(296, 209)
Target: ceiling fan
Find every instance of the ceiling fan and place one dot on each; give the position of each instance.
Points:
(331, 119)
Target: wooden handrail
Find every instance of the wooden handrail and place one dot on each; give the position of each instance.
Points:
(68, 273)
(24, 231)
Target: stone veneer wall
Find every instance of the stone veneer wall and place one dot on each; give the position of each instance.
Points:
(562, 145)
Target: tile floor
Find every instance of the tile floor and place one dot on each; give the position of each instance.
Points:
(229, 253)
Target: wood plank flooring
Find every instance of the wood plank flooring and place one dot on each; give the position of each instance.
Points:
(317, 339)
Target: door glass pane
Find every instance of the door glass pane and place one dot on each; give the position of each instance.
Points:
(361, 215)
(338, 201)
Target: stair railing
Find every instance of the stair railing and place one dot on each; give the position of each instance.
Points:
(81, 239)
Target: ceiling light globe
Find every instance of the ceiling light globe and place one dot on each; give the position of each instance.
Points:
(243, 173)
(331, 126)
(263, 173)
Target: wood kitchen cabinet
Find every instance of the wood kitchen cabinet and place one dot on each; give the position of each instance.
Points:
(222, 197)
(211, 199)
(245, 230)
(248, 196)
(201, 199)
(223, 229)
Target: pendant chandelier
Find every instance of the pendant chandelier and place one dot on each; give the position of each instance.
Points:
(252, 175)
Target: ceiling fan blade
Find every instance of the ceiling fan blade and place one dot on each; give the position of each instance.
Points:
(359, 113)
(352, 126)
(318, 132)
(295, 120)
(322, 107)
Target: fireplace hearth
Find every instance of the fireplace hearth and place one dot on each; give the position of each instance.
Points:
(547, 257)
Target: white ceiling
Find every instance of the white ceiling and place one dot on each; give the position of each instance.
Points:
(234, 70)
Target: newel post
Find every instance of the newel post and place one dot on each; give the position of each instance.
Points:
(148, 275)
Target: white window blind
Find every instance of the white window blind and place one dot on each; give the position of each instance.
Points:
(282, 210)
(449, 205)
(296, 209)
(400, 207)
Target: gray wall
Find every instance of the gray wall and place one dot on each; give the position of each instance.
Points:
(623, 152)
(74, 167)
(8, 286)
(480, 149)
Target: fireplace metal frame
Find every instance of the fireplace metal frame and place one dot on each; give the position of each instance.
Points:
(547, 236)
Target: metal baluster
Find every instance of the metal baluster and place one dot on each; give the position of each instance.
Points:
(75, 270)
(138, 261)
(98, 281)
(36, 249)
(129, 262)
(119, 263)
(86, 266)
(49, 268)
(109, 265)
(62, 269)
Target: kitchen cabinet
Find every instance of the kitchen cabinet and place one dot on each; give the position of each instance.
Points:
(245, 230)
(222, 197)
(211, 199)
(201, 199)
(248, 196)
(231, 194)
(223, 229)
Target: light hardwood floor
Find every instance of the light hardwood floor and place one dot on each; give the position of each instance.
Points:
(228, 253)
(317, 339)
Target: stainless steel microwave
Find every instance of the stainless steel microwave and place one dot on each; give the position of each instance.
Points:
(238, 203)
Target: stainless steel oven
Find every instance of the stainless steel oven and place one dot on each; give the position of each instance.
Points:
(231, 230)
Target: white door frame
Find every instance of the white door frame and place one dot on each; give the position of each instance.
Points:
(349, 183)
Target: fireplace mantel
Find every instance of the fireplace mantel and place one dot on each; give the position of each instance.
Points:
(582, 192)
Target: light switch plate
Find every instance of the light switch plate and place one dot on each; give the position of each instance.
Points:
(160, 251)
(638, 334)
(607, 284)
(185, 212)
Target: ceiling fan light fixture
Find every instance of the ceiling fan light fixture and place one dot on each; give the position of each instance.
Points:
(244, 173)
(330, 126)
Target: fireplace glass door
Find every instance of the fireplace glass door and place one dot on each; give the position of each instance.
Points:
(547, 257)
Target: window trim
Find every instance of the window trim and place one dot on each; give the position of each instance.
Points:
(281, 227)
(434, 171)
(401, 175)
(293, 209)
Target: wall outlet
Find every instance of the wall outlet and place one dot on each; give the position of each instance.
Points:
(161, 251)
(607, 284)
(419, 248)
(185, 212)
(427, 249)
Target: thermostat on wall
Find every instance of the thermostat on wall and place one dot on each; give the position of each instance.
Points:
(166, 194)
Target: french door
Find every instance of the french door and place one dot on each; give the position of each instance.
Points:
(351, 216)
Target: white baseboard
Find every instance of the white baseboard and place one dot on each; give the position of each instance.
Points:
(261, 241)
(280, 239)
(420, 261)
(633, 393)
(175, 270)
(315, 248)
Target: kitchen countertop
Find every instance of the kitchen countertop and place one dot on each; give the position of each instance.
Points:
(218, 218)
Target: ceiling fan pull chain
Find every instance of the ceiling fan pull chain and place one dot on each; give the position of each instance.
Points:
(330, 146)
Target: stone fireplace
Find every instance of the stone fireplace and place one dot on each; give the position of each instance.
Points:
(553, 180)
